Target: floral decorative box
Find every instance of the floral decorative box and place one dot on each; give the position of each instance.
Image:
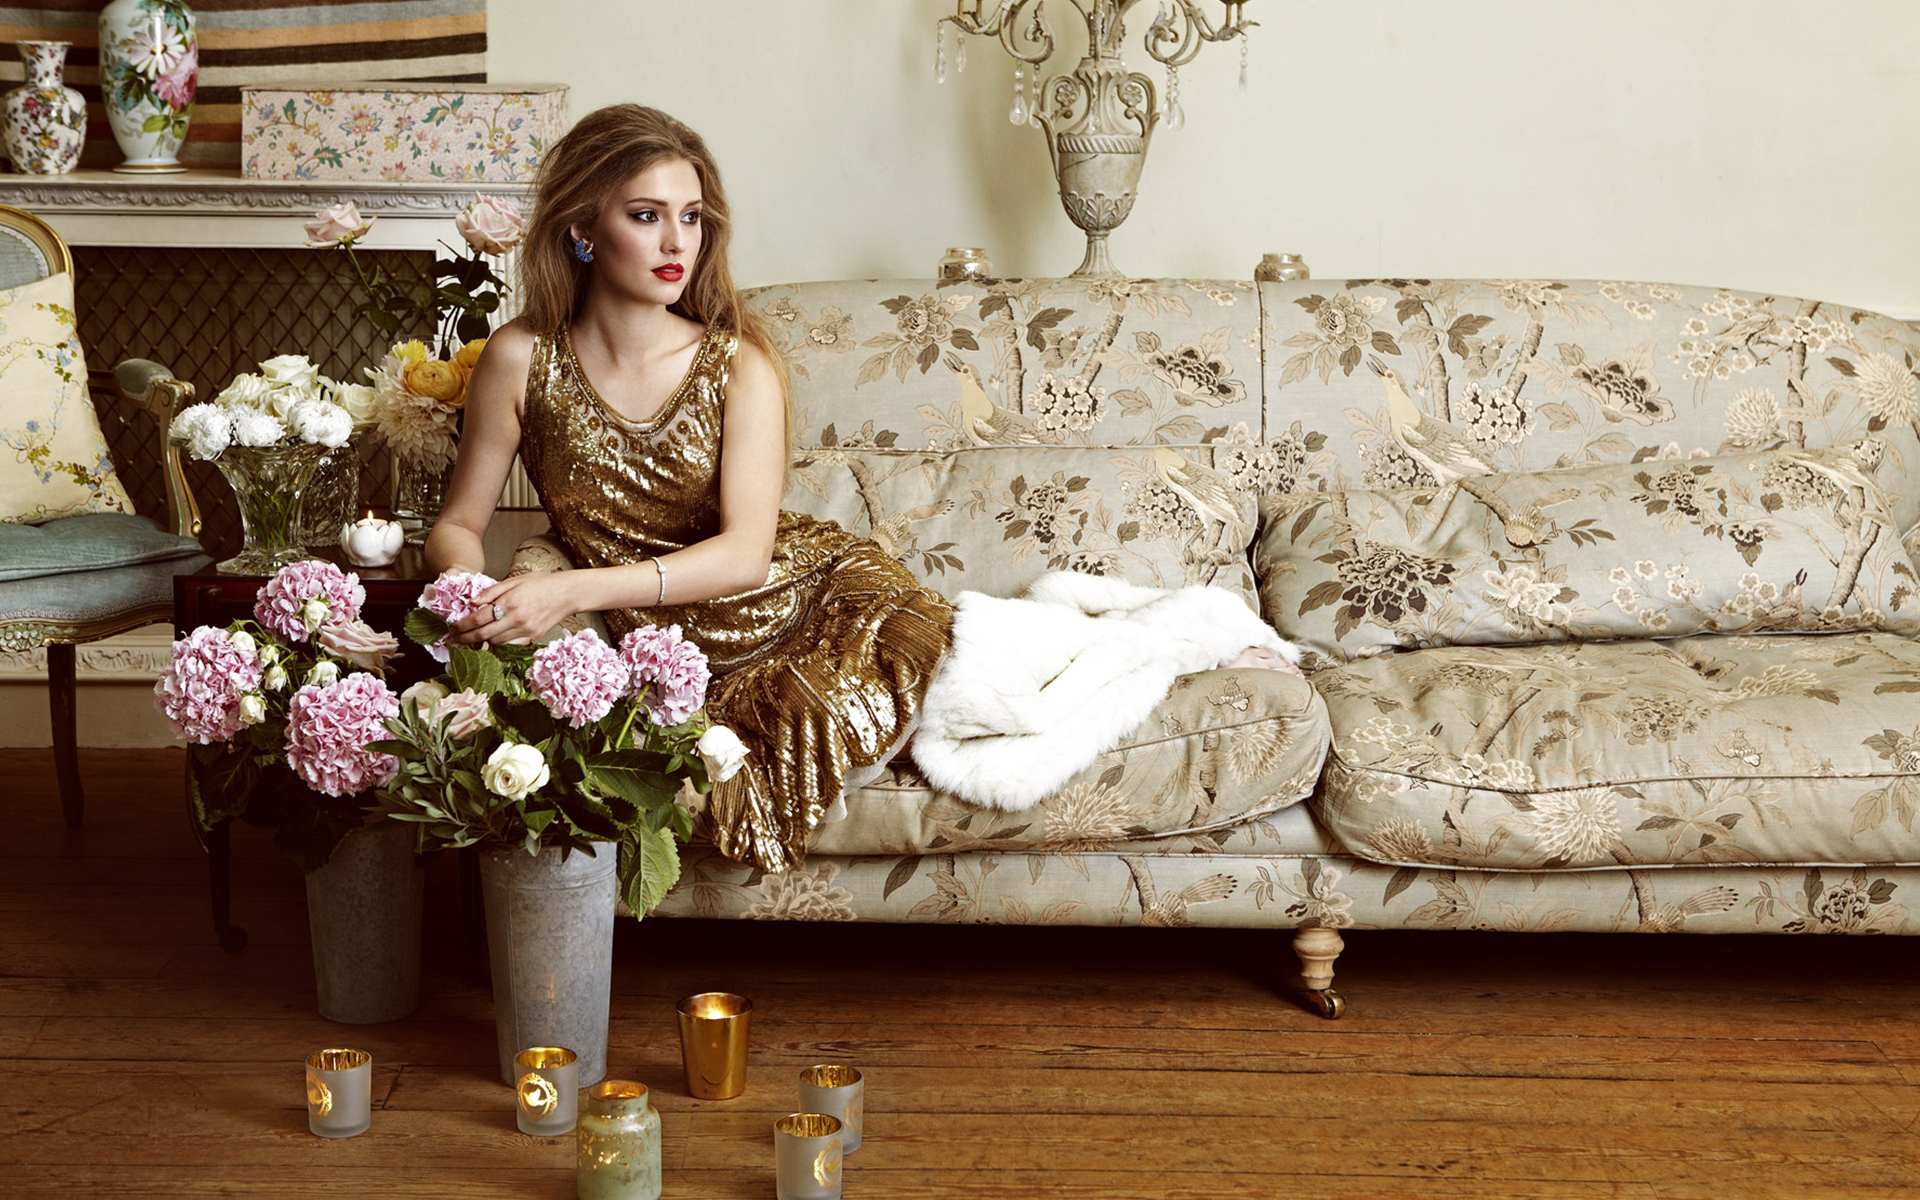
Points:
(413, 132)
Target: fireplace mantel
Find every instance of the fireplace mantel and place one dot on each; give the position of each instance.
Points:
(219, 208)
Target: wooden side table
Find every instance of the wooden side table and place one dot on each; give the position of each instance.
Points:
(208, 597)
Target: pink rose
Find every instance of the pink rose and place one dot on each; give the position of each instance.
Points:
(338, 223)
(176, 84)
(359, 643)
(491, 225)
(466, 711)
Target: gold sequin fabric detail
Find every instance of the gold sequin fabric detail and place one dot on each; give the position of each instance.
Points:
(820, 670)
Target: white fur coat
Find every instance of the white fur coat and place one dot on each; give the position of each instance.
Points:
(1037, 688)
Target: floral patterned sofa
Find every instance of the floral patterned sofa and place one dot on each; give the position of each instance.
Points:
(1606, 588)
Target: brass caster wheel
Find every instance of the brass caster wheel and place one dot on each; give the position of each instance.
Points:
(1329, 1003)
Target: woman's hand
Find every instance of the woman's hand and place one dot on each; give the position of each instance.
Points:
(528, 606)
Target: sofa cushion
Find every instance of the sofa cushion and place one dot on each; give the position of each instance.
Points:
(995, 520)
(80, 596)
(53, 458)
(88, 542)
(1785, 749)
(1770, 541)
(1225, 747)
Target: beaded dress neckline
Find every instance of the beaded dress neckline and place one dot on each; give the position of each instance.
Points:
(661, 415)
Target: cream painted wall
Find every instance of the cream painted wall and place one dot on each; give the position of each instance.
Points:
(1763, 144)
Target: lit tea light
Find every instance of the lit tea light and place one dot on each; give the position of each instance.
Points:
(339, 1093)
(371, 542)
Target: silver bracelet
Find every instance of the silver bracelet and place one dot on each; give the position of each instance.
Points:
(663, 582)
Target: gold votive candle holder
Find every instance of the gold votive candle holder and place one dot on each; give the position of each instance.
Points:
(713, 1043)
(806, 1157)
(546, 1090)
(339, 1093)
(619, 1144)
(839, 1091)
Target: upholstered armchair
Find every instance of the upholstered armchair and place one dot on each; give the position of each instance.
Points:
(77, 562)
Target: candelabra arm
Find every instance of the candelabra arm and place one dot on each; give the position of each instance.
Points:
(1004, 24)
(1175, 38)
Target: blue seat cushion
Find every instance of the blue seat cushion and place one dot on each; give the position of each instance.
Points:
(87, 542)
(81, 596)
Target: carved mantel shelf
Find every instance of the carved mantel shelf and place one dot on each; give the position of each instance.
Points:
(219, 208)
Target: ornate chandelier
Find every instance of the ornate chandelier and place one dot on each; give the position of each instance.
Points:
(1098, 119)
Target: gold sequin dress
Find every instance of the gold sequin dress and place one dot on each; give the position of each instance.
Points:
(821, 671)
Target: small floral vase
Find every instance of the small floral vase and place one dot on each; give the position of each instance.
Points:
(267, 483)
(419, 492)
(44, 121)
(149, 65)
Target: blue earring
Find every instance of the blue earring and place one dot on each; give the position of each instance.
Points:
(583, 249)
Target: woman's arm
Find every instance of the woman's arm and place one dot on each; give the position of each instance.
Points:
(489, 439)
(734, 560)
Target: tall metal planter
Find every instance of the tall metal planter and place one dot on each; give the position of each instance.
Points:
(550, 940)
(363, 910)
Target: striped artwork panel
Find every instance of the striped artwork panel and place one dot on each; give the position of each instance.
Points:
(246, 42)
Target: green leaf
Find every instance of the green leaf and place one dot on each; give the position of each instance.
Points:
(476, 670)
(652, 867)
(424, 628)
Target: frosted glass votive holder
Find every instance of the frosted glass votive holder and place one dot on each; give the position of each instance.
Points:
(339, 1093)
(546, 1090)
(806, 1157)
(839, 1091)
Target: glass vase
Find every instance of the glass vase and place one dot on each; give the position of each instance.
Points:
(419, 491)
(332, 497)
(267, 483)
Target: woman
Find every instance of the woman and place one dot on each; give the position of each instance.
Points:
(615, 386)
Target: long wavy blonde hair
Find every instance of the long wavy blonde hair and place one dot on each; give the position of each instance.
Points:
(581, 174)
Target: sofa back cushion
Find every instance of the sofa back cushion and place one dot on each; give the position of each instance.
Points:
(1530, 375)
(1765, 542)
(994, 520)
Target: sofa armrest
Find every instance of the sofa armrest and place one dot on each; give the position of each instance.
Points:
(543, 553)
(151, 387)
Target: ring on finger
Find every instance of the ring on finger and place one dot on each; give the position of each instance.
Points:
(499, 613)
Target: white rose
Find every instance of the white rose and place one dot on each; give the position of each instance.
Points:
(423, 696)
(275, 680)
(723, 751)
(246, 391)
(314, 612)
(491, 225)
(206, 430)
(321, 422)
(243, 641)
(253, 428)
(324, 672)
(253, 709)
(290, 370)
(514, 771)
(338, 223)
(358, 399)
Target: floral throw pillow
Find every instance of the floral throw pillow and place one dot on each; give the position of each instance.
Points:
(53, 458)
(1780, 541)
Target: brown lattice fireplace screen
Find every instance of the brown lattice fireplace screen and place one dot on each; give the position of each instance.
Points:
(210, 313)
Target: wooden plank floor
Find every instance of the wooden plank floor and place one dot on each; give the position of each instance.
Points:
(138, 1059)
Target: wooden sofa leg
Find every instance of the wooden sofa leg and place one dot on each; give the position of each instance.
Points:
(1317, 947)
(62, 697)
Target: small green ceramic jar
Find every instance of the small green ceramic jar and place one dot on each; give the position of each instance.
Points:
(619, 1140)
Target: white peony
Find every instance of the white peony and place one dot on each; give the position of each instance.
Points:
(515, 771)
(254, 428)
(205, 428)
(723, 751)
(322, 422)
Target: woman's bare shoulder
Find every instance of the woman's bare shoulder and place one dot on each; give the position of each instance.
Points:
(512, 343)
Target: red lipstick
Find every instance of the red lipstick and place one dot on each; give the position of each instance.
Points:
(672, 272)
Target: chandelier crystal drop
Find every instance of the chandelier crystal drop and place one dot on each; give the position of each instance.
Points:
(939, 51)
(1176, 115)
(1243, 62)
(1020, 113)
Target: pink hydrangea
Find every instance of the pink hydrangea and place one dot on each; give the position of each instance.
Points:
(329, 727)
(669, 672)
(579, 677)
(283, 603)
(453, 597)
(199, 692)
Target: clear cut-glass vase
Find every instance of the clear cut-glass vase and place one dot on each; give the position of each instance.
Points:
(419, 492)
(332, 497)
(267, 483)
